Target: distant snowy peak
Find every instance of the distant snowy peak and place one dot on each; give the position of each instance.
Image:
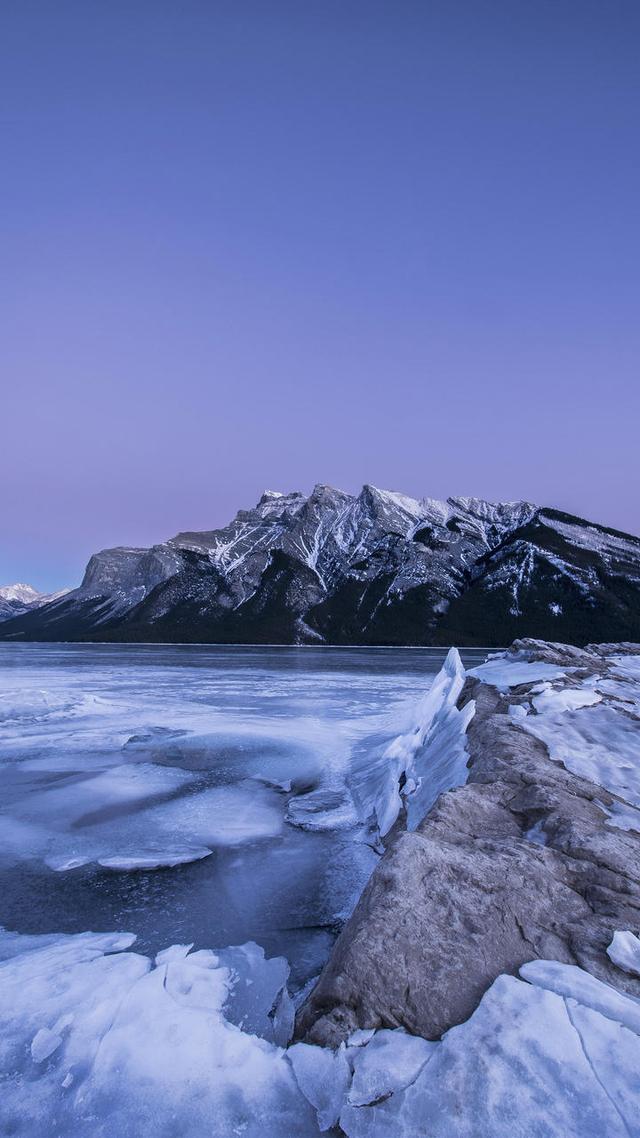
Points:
(27, 595)
(24, 594)
(20, 598)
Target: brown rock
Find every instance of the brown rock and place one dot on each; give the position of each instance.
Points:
(472, 893)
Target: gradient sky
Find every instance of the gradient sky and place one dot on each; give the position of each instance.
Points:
(262, 243)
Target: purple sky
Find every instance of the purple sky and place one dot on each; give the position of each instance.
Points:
(250, 244)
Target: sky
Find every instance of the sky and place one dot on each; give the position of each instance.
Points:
(252, 245)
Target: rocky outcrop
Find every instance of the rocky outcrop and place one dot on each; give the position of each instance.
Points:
(373, 568)
(521, 863)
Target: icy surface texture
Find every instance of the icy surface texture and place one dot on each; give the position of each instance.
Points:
(628, 666)
(193, 794)
(542, 1060)
(97, 1040)
(593, 728)
(423, 762)
(624, 950)
(505, 673)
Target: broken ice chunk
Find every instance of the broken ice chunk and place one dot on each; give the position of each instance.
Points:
(390, 1062)
(43, 1044)
(323, 1077)
(624, 951)
(503, 673)
(155, 859)
(569, 981)
(174, 952)
(258, 1000)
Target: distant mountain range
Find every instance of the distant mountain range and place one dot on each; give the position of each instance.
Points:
(20, 598)
(376, 568)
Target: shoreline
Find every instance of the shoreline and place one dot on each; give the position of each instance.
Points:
(241, 644)
(520, 809)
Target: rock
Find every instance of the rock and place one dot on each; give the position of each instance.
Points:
(517, 865)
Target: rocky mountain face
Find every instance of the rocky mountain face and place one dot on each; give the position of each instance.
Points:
(376, 568)
(20, 598)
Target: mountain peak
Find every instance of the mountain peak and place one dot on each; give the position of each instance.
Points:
(269, 496)
(20, 598)
(26, 594)
(377, 568)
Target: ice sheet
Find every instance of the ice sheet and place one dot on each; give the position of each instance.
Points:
(598, 742)
(528, 1062)
(505, 672)
(564, 699)
(121, 767)
(96, 1041)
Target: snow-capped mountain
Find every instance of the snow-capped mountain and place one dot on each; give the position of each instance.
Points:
(20, 598)
(376, 568)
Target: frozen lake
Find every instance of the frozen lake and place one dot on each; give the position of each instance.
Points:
(194, 794)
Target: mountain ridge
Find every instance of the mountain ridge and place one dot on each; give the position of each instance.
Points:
(379, 567)
(19, 598)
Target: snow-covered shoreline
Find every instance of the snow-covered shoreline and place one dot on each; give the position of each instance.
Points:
(96, 1038)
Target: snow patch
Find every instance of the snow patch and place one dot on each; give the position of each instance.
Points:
(624, 951)
(557, 700)
(593, 740)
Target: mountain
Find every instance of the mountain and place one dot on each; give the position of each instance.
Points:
(376, 568)
(20, 598)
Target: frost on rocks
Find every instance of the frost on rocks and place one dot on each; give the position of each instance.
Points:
(421, 764)
(589, 721)
(622, 816)
(592, 738)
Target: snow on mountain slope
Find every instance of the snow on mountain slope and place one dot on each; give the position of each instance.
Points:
(566, 577)
(24, 594)
(20, 598)
(375, 568)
